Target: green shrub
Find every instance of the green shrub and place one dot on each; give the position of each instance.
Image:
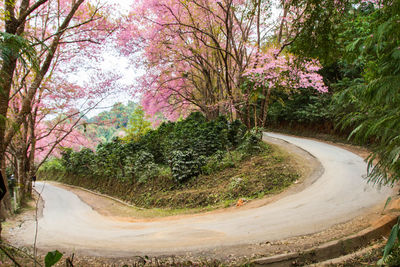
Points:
(252, 141)
(197, 134)
(51, 168)
(144, 167)
(66, 158)
(81, 162)
(53, 165)
(220, 161)
(183, 145)
(109, 159)
(155, 142)
(185, 164)
(213, 163)
(236, 131)
(306, 105)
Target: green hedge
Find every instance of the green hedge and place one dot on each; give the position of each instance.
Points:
(184, 147)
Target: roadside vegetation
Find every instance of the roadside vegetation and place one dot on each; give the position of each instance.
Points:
(192, 163)
(360, 55)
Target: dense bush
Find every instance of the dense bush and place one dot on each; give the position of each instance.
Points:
(185, 164)
(54, 165)
(80, 162)
(305, 106)
(251, 141)
(188, 147)
(53, 169)
(142, 166)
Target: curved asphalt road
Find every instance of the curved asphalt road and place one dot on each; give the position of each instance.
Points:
(339, 195)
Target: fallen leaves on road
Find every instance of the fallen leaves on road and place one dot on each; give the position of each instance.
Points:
(240, 202)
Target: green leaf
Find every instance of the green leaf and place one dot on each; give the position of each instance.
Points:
(396, 53)
(352, 46)
(52, 258)
(387, 202)
(391, 241)
(261, 96)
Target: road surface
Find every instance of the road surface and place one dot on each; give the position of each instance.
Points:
(338, 195)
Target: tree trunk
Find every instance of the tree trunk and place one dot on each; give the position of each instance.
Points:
(266, 105)
(5, 204)
(285, 11)
(21, 178)
(258, 24)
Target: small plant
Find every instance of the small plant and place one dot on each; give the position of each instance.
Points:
(237, 186)
(214, 163)
(235, 183)
(252, 141)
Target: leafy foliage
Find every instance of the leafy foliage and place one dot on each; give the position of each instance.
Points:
(137, 125)
(305, 106)
(375, 96)
(144, 167)
(185, 146)
(367, 101)
(14, 46)
(185, 164)
(251, 141)
(108, 124)
(218, 161)
(78, 162)
(55, 165)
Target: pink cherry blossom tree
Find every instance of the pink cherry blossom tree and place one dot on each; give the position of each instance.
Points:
(199, 53)
(273, 70)
(53, 123)
(58, 31)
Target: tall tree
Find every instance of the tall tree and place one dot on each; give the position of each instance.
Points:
(51, 26)
(198, 52)
(52, 123)
(138, 125)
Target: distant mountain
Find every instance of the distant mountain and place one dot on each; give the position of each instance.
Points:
(109, 124)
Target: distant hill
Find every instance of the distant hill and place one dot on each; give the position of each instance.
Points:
(109, 124)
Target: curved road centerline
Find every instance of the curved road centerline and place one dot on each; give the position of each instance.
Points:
(340, 194)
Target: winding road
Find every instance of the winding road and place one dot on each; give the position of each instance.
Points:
(338, 195)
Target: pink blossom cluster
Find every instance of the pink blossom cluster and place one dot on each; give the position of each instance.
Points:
(377, 3)
(282, 71)
(75, 139)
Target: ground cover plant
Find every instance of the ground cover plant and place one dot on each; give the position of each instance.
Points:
(186, 164)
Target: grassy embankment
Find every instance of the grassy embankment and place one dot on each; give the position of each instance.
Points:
(268, 172)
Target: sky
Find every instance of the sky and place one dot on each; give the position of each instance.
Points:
(112, 61)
